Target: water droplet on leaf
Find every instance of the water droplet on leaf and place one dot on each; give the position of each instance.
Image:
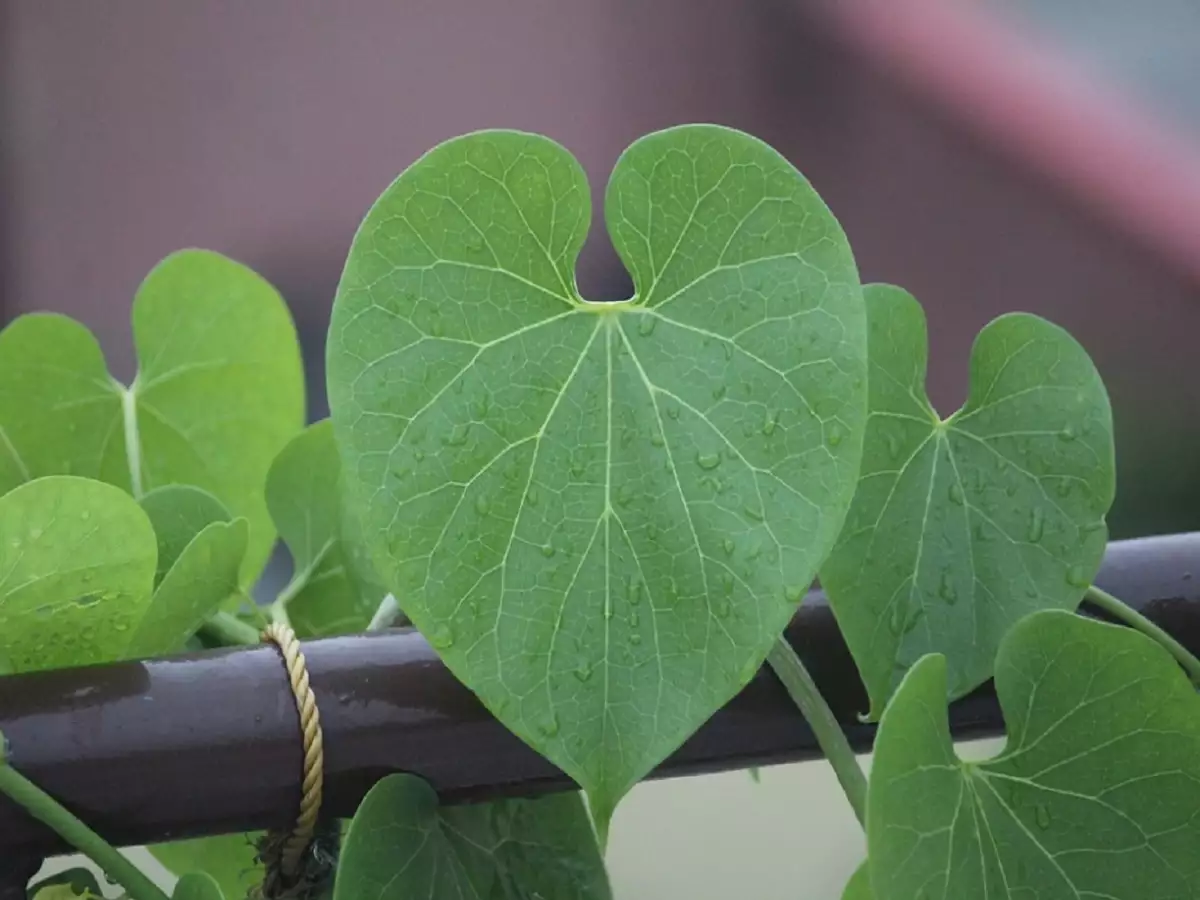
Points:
(547, 550)
(1037, 524)
(708, 460)
(442, 636)
(548, 725)
(834, 437)
(646, 326)
(1042, 814)
(1077, 577)
(728, 546)
(457, 435)
(481, 505)
(947, 591)
(956, 494)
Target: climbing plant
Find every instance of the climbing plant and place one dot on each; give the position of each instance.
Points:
(602, 516)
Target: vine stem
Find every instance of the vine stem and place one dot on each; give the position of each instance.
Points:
(230, 631)
(1134, 619)
(50, 812)
(807, 697)
(386, 615)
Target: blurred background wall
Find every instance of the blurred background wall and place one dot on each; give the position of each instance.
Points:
(1038, 155)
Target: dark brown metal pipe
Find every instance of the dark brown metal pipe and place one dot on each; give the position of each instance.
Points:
(208, 743)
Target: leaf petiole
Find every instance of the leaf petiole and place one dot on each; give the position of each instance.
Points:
(807, 697)
(229, 631)
(388, 615)
(49, 811)
(1126, 614)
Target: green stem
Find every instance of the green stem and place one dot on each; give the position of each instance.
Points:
(229, 631)
(829, 734)
(1134, 619)
(49, 811)
(386, 615)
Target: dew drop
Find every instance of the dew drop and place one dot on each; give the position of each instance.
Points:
(43, 612)
(577, 467)
(634, 620)
(646, 326)
(834, 437)
(1042, 814)
(727, 582)
(548, 725)
(442, 636)
(753, 512)
(793, 593)
(459, 385)
(635, 592)
(532, 496)
(772, 420)
(1067, 434)
(947, 591)
(893, 445)
(708, 461)
(1037, 524)
(721, 608)
(656, 439)
(35, 534)
(583, 672)
(85, 515)
(1064, 487)
(728, 545)
(457, 435)
(624, 495)
(673, 411)
(981, 533)
(718, 392)
(1077, 577)
(635, 639)
(956, 494)
(547, 550)
(652, 531)
(727, 346)
(482, 405)
(16, 543)
(120, 625)
(481, 505)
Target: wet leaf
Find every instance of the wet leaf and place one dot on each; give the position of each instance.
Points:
(961, 526)
(634, 494)
(1095, 794)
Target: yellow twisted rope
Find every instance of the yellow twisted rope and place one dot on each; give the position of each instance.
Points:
(295, 844)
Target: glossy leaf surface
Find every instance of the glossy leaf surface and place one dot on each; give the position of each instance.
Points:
(401, 845)
(1094, 796)
(961, 526)
(219, 392)
(601, 515)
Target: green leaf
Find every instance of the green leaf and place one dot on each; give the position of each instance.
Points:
(601, 515)
(78, 560)
(203, 579)
(197, 886)
(306, 503)
(1095, 794)
(179, 512)
(70, 884)
(219, 391)
(961, 526)
(401, 845)
(230, 860)
(859, 885)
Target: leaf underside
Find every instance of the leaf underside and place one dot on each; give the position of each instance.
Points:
(401, 845)
(960, 527)
(601, 515)
(1094, 796)
(219, 368)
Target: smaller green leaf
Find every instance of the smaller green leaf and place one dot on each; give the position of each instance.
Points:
(859, 885)
(70, 884)
(179, 512)
(78, 560)
(962, 525)
(205, 575)
(306, 504)
(197, 886)
(1095, 794)
(231, 860)
(402, 845)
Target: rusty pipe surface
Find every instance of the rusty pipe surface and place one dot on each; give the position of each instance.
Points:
(208, 743)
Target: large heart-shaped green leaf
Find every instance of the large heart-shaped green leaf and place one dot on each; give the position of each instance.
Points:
(306, 502)
(77, 560)
(401, 845)
(219, 392)
(961, 526)
(1094, 796)
(601, 515)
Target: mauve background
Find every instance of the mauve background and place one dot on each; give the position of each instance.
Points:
(264, 130)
